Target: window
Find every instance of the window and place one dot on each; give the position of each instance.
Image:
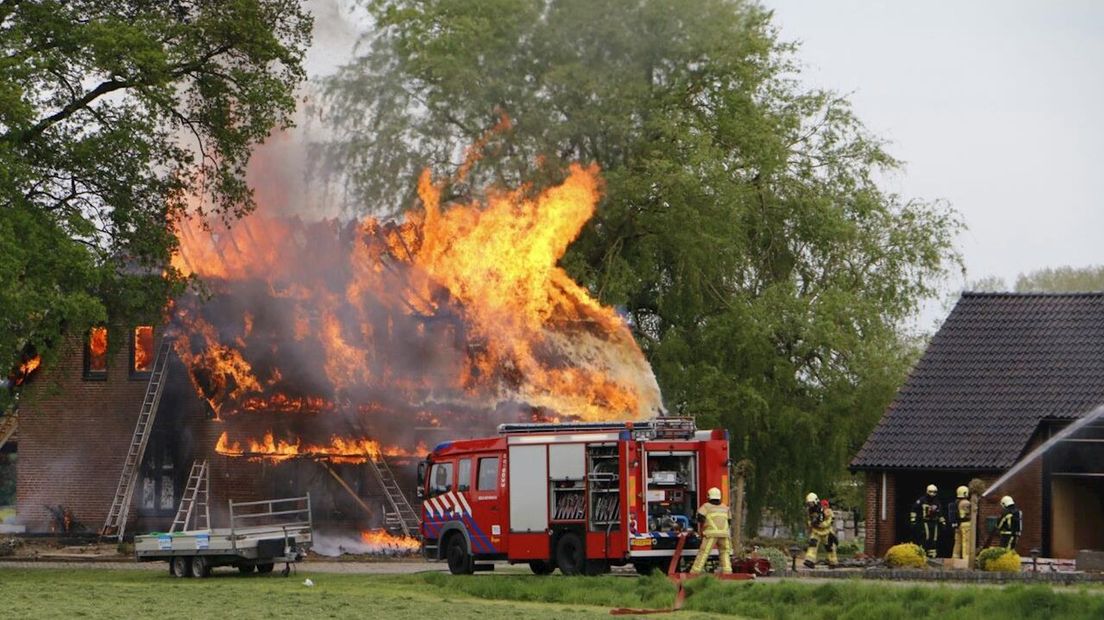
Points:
(488, 474)
(464, 483)
(95, 354)
(141, 350)
(158, 477)
(440, 479)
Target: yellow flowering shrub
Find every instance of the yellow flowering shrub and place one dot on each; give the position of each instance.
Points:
(906, 555)
(999, 559)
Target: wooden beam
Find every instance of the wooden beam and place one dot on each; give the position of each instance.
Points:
(346, 486)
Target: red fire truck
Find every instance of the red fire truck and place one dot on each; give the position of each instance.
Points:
(581, 497)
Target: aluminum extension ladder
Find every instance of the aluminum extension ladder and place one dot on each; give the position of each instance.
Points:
(195, 501)
(115, 524)
(401, 514)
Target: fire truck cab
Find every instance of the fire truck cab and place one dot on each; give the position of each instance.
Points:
(580, 497)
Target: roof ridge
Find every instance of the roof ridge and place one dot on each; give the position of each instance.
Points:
(1032, 294)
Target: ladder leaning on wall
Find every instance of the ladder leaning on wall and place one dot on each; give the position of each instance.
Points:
(115, 525)
(401, 514)
(194, 504)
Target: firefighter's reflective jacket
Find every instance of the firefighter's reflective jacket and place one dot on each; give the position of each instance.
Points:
(958, 511)
(715, 517)
(819, 519)
(926, 508)
(1011, 521)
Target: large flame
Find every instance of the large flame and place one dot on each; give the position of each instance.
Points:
(457, 317)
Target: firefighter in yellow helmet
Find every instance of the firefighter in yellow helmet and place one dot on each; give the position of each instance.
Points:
(926, 517)
(959, 515)
(713, 524)
(1010, 525)
(818, 519)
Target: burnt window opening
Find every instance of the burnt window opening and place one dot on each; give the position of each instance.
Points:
(95, 354)
(159, 491)
(142, 352)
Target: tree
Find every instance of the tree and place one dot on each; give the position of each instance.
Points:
(765, 272)
(111, 113)
(1062, 280)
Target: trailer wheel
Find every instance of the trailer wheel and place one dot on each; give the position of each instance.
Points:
(264, 569)
(541, 567)
(246, 569)
(460, 562)
(181, 566)
(200, 567)
(570, 554)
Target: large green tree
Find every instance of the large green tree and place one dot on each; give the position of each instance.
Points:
(766, 274)
(111, 112)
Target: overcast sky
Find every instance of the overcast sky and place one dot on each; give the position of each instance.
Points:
(995, 107)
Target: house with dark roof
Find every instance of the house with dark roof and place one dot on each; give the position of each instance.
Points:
(1003, 374)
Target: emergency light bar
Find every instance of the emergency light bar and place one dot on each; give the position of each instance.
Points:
(657, 428)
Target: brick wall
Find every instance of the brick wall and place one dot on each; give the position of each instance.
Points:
(74, 434)
(881, 533)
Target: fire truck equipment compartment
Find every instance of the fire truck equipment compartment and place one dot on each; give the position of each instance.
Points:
(528, 488)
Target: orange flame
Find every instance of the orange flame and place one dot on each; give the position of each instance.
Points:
(382, 541)
(339, 450)
(23, 373)
(97, 349)
(457, 314)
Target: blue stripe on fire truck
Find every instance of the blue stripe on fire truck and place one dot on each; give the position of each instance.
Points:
(449, 506)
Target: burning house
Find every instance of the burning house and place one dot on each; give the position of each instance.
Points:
(316, 350)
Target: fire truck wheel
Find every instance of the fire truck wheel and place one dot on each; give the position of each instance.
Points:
(570, 554)
(645, 567)
(540, 567)
(460, 562)
(264, 568)
(181, 566)
(246, 569)
(200, 567)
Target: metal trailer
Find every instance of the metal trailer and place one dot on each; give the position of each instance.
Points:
(261, 534)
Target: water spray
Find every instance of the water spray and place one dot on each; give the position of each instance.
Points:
(1037, 452)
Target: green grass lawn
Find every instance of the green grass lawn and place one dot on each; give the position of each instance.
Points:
(48, 593)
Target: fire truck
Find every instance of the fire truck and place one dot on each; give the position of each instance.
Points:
(580, 497)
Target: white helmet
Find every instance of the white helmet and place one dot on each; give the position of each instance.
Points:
(1007, 501)
(714, 493)
(811, 498)
(932, 489)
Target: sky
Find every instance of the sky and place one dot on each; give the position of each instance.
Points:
(994, 106)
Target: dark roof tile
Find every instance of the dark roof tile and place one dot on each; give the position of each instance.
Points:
(1000, 364)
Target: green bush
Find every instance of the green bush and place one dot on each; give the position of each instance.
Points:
(778, 558)
(999, 559)
(905, 555)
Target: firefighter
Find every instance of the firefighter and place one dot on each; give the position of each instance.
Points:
(713, 523)
(926, 517)
(959, 515)
(1011, 523)
(818, 520)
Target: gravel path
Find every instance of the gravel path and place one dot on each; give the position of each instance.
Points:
(366, 568)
